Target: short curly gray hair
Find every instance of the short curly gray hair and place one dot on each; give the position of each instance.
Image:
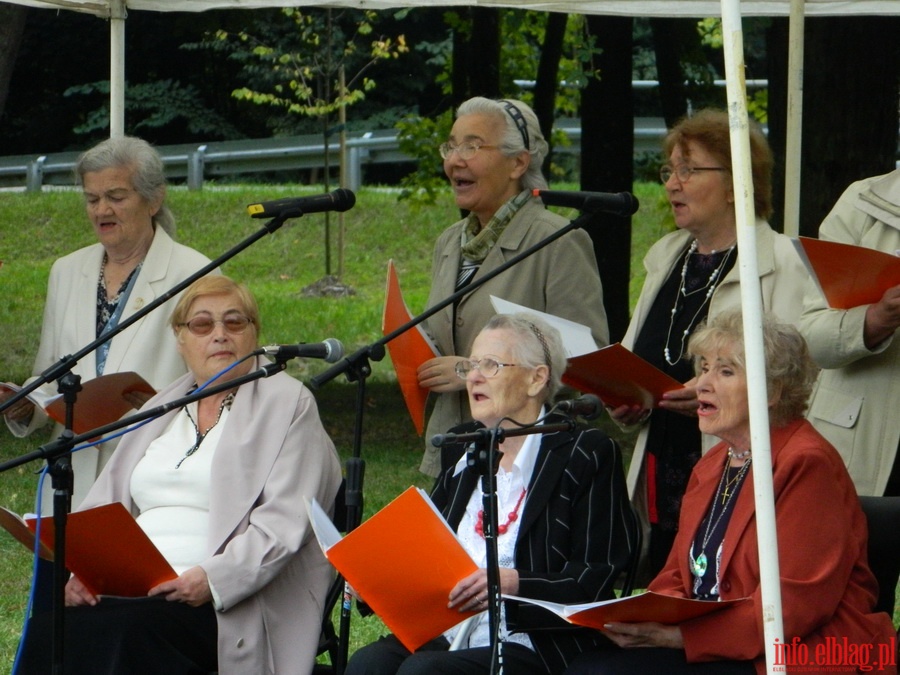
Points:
(148, 177)
(520, 123)
(789, 367)
(536, 343)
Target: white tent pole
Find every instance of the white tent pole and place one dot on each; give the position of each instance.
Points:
(793, 141)
(751, 302)
(117, 15)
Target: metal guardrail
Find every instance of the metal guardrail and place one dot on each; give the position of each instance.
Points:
(196, 163)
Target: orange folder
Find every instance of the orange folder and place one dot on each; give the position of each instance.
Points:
(649, 606)
(848, 275)
(109, 552)
(408, 351)
(101, 401)
(619, 376)
(403, 562)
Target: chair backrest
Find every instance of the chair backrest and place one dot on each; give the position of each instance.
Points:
(635, 535)
(883, 518)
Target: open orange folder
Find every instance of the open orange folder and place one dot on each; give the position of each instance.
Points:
(408, 350)
(105, 548)
(403, 562)
(619, 376)
(847, 275)
(101, 400)
(649, 606)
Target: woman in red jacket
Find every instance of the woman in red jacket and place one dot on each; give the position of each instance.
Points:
(827, 589)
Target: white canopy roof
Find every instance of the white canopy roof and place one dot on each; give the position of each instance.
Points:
(670, 8)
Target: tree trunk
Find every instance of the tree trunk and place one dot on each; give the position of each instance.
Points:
(547, 72)
(607, 159)
(484, 53)
(849, 108)
(777, 64)
(669, 38)
(12, 25)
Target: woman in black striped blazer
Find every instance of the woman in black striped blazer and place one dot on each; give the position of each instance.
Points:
(564, 516)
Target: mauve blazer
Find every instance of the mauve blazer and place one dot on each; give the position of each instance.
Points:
(263, 558)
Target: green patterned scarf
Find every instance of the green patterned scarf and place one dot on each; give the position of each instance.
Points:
(477, 244)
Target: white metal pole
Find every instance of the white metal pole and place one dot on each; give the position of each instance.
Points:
(751, 302)
(117, 17)
(793, 141)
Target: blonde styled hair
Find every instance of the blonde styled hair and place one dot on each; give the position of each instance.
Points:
(790, 369)
(215, 284)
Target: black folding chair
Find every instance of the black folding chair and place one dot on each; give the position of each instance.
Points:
(348, 507)
(883, 516)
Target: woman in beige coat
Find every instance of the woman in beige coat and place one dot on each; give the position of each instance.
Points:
(693, 274)
(493, 160)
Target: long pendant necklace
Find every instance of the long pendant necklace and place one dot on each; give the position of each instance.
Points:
(700, 563)
(709, 287)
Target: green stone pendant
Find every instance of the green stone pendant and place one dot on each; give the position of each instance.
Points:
(698, 565)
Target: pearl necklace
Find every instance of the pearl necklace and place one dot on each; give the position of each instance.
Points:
(709, 287)
(700, 563)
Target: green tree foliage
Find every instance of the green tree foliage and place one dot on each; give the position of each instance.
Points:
(295, 63)
(153, 105)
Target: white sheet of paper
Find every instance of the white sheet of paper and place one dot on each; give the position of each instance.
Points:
(576, 337)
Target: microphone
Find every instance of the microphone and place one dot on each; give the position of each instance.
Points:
(620, 203)
(294, 207)
(587, 406)
(330, 350)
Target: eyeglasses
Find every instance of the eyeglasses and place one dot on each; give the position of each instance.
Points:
(465, 150)
(203, 325)
(488, 366)
(684, 172)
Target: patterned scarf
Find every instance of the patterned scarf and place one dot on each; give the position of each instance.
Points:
(476, 244)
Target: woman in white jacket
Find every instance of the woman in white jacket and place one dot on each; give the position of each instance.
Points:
(692, 275)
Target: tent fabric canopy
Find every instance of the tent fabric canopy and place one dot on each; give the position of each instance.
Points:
(659, 8)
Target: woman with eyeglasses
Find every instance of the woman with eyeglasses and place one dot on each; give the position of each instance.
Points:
(692, 274)
(563, 520)
(493, 160)
(219, 486)
(90, 291)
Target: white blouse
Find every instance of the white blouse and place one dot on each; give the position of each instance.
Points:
(510, 485)
(171, 489)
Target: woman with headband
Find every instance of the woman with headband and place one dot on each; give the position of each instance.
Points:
(563, 516)
(493, 159)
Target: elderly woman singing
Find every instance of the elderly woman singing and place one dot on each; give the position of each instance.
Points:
(564, 514)
(827, 589)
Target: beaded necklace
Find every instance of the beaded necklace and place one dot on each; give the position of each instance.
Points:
(501, 529)
(709, 287)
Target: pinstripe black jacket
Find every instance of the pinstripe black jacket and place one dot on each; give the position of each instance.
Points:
(573, 540)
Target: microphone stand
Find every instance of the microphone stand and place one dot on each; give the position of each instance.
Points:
(60, 451)
(59, 446)
(357, 362)
(357, 367)
(483, 457)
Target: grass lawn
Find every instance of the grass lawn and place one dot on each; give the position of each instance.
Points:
(38, 228)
